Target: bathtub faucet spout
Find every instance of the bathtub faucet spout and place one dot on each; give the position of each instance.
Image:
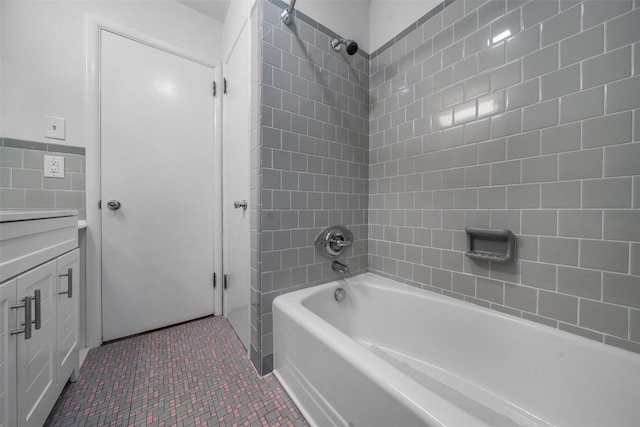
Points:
(340, 267)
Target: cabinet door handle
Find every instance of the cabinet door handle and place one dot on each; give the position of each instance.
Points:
(27, 318)
(38, 317)
(225, 281)
(69, 276)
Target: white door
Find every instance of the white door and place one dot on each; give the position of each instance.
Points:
(67, 295)
(35, 357)
(235, 170)
(157, 135)
(8, 323)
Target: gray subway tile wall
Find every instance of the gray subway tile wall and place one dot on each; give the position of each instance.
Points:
(22, 181)
(530, 124)
(310, 165)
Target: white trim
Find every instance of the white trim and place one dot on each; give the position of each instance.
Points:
(93, 25)
(217, 212)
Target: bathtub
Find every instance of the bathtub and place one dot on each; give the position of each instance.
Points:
(392, 355)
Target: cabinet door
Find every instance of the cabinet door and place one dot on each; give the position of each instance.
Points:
(67, 312)
(36, 357)
(8, 322)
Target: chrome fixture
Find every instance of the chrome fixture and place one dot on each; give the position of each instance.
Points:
(69, 276)
(26, 304)
(114, 205)
(37, 299)
(243, 204)
(491, 245)
(340, 267)
(350, 45)
(287, 14)
(340, 294)
(332, 241)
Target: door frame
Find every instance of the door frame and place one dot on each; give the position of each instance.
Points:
(244, 27)
(93, 296)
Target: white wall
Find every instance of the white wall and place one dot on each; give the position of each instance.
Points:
(349, 18)
(234, 21)
(387, 18)
(43, 54)
(2, 42)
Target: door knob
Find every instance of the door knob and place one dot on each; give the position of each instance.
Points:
(114, 205)
(242, 204)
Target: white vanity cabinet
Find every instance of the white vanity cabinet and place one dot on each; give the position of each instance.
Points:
(39, 265)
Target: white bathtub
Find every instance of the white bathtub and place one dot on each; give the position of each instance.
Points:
(391, 355)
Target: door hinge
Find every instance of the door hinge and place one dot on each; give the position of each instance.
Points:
(214, 280)
(225, 85)
(215, 88)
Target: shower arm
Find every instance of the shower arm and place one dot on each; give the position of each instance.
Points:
(287, 14)
(292, 5)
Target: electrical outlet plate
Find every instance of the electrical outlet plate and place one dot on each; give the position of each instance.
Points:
(54, 127)
(53, 167)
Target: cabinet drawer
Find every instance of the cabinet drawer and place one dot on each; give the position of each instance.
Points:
(26, 244)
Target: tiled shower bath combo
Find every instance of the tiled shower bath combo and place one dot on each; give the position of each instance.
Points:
(496, 114)
(488, 120)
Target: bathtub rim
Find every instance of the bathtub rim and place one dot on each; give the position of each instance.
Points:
(379, 281)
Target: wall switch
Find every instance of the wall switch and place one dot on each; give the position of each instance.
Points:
(53, 167)
(54, 127)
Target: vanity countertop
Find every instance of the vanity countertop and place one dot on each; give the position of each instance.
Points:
(24, 215)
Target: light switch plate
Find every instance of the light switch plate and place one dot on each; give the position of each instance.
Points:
(54, 127)
(53, 167)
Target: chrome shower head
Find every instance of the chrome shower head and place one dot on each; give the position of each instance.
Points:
(350, 45)
(287, 14)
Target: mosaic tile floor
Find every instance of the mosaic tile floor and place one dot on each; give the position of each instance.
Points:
(192, 374)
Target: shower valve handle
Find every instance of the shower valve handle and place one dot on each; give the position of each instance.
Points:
(339, 242)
